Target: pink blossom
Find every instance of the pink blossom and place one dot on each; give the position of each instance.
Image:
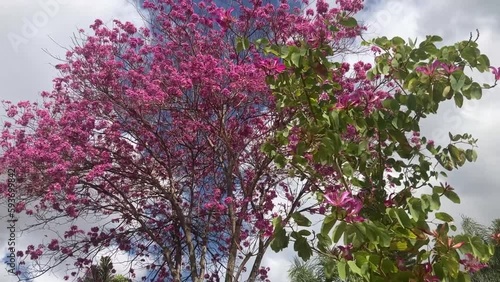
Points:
(376, 49)
(472, 264)
(345, 201)
(321, 7)
(338, 199)
(20, 206)
(54, 245)
(346, 251)
(496, 72)
(324, 97)
(224, 17)
(12, 111)
(449, 68)
(429, 69)
(271, 65)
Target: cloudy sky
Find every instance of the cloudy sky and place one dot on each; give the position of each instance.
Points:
(32, 32)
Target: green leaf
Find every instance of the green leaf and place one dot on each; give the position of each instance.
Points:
(354, 267)
(262, 41)
(446, 91)
(268, 148)
(391, 104)
(484, 63)
(349, 22)
(416, 210)
(398, 40)
(404, 148)
(412, 84)
(399, 244)
(445, 161)
(444, 217)
(459, 99)
(454, 137)
(438, 269)
(475, 91)
(435, 38)
(385, 69)
(403, 218)
(272, 49)
(457, 80)
(388, 266)
(336, 142)
(295, 58)
(463, 277)
(242, 43)
(334, 119)
(280, 240)
(347, 169)
(338, 231)
(412, 102)
(437, 189)
(471, 155)
(302, 248)
(412, 42)
(301, 220)
(280, 160)
(433, 201)
(469, 54)
(328, 224)
(457, 154)
(342, 269)
(382, 41)
(324, 241)
(304, 233)
(452, 196)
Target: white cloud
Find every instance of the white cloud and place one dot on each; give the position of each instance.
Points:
(30, 27)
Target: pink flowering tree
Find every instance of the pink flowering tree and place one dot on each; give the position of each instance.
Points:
(184, 140)
(155, 135)
(354, 135)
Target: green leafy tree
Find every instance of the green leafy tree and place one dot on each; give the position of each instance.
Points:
(314, 269)
(355, 136)
(120, 278)
(310, 271)
(488, 234)
(103, 272)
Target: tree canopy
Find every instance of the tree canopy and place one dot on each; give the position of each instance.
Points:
(215, 133)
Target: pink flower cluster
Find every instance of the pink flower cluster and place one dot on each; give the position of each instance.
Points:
(472, 264)
(344, 201)
(431, 69)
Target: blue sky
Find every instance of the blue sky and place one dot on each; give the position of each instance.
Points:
(31, 30)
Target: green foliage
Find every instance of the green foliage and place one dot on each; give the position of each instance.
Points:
(486, 234)
(120, 278)
(301, 271)
(103, 272)
(404, 236)
(319, 269)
